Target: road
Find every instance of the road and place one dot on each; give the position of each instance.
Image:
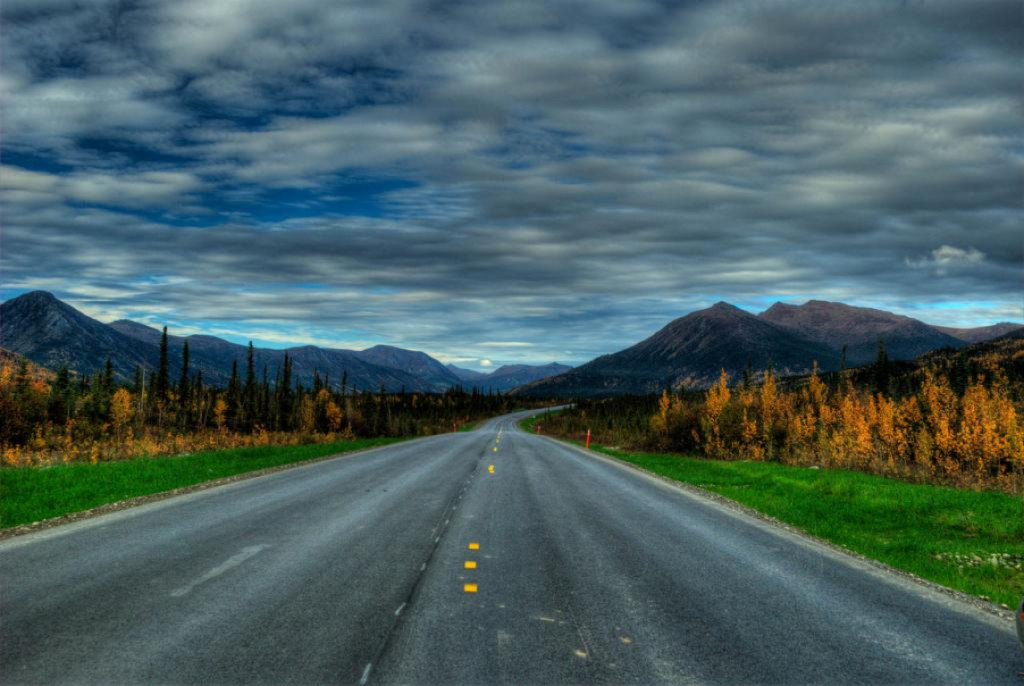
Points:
(354, 569)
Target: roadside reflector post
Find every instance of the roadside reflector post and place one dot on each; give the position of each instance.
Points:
(453, 427)
(588, 439)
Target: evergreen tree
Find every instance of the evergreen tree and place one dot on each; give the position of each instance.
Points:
(249, 393)
(234, 397)
(139, 389)
(62, 400)
(162, 385)
(184, 404)
(882, 369)
(284, 395)
(108, 378)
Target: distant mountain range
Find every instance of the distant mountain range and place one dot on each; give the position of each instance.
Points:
(508, 377)
(689, 351)
(52, 334)
(692, 350)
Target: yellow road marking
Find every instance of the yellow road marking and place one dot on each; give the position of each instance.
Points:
(495, 449)
(490, 468)
(469, 588)
(474, 546)
(470, 564)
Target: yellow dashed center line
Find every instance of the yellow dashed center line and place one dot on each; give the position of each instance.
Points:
(469, 588)
(470, 564)
(474, 546)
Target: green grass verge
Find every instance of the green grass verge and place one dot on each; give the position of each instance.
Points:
(528, 423)
(972, 542)
(30, 494)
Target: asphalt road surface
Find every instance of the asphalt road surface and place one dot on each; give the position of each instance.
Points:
(355, 570)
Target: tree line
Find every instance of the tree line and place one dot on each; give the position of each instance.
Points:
(62, 416)
(952, 420)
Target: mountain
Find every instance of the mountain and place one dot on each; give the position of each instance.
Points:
(512, 376)
(691, 351)
(466, 374)
(52, 333)
(859, 328)
(982, 333)
(215, 356)
(422, 366)
(507, 377)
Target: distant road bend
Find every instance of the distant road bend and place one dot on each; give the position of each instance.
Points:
(415, 563)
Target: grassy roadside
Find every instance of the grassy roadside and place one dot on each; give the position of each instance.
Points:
(529, 423)
(970, 541)
(30, 494)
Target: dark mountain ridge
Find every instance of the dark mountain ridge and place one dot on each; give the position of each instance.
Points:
(691, 351)
(52, 334)
(507, 377)
(466, 374)
(982, 333)
(859, 329)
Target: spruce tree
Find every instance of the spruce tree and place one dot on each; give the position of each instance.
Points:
(162, 385)
(249, 393)
(882, 369)
(61, 397)
(233, 399)
(284, 395)
(183, 388)
(108, 378)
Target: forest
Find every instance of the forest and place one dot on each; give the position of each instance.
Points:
(953, 418)
(51, 417)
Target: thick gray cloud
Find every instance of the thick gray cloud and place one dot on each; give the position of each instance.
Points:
(560, 179)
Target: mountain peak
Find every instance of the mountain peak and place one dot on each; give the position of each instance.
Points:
(722, 308)
(37, 298)
(778, 307)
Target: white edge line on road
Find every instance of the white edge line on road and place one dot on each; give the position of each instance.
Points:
(366, 673)
(955, 600)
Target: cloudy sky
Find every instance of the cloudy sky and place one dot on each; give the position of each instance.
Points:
(509, 181)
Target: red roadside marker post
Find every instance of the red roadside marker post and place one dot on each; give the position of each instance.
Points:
(588, 439)
(453, 427)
